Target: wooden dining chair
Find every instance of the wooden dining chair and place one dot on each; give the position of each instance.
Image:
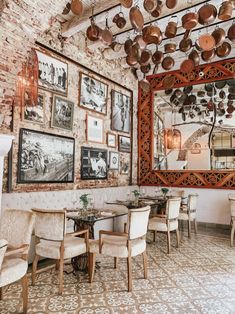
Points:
(16, 228)
(127, 244)
(53, 242)
(188, 212)
(231, 198)
(167, 222)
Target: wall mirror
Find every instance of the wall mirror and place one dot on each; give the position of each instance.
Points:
(187, 130)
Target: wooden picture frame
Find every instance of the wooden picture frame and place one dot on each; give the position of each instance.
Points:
(124, 144)
(114, 160)
(33, 113)
(225, 179)
(121, 112)
(52, 73)
(94, 129)
(45, 157)
(111, 140)
(62, 113)
(93, 94)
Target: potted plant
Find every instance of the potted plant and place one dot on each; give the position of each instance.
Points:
(164, 191)
(85, 201)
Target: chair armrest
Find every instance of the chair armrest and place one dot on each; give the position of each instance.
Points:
(21, 250)
(77, 233)
(111, 233)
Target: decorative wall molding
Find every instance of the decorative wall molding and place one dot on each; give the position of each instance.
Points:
(221, 70)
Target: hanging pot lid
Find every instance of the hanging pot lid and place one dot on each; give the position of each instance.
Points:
(77, 7)
(136, 18)
(168, 63)
(219, 36)
(208, 55)
(171, 4)
(220, 84)
(145, 68)
(207, 14)
(127, 45)
(206, 42)
(223, 50)
(150, 5)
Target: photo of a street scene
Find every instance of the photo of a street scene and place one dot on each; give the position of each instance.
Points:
(45, 158)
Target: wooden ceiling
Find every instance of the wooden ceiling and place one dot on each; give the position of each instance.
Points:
(71, 25)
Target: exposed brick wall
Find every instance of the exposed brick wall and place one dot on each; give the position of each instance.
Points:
(21, 25)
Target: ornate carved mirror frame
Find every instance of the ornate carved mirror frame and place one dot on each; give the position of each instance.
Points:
(224, 179)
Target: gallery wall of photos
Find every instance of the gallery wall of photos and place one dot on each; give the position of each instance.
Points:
(79, 133)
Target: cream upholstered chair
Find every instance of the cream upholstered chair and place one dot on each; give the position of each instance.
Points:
(127, 244)
(188, 212)
(167, 222)
(231, 198)
(16, 227)
(53, 242)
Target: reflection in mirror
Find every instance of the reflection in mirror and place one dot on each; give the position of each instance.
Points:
(194, 127)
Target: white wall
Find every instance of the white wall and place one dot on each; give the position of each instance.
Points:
(213, 205)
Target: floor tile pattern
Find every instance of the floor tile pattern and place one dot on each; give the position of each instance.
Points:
(199, 277)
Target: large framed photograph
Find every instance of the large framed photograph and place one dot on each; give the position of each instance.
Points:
(62, 113)
(52, 73)
(93, 94)
(45, 158)
(95, 129)
(124, 144)
(93, 163)
(113, 160)
(121, 108)
(33, 112)
(111, 139)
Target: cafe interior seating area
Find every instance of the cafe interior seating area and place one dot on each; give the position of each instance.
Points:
(117, 156)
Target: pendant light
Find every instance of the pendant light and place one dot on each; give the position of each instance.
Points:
(173, 136)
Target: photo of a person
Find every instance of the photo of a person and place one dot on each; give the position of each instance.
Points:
(120, 112)
(94, 163)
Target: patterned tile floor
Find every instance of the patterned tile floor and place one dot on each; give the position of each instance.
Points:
(199, 277)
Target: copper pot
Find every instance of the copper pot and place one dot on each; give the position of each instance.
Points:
(126, 3)
(168, 63)
(150, 5)
(115, 46)
(136, 18)
(207, 14)
(187, 66)
(135, 51)
(206, 42)
(119, 20)
(145, 57)
(219, 36)
(158, 10)
(170, 47)
(77, 7)
(93, 31)
(223, 50)
(171, 28)
(152, 34)
(225, 11)
(127, 45)
(157, 57)
(186, 43)
(189, 20)
(106, 35)
(208, 55)
(131, 60)
(195, 57)
(145, 68)
(231, 33)
(171, 4)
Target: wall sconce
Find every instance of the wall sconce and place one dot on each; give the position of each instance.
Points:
(172, 138)
(196, 149)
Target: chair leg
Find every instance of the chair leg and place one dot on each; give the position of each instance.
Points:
(24, 281)
(1, 293)
(129, 269)
(57, 264)
(61, 276)
(34, 269)
(177, 237)
(145, 265)
(168, 242)
(115, 262)
(154, 235)
(92, 258)
(195, 225)
(189, 228)
(232, 236)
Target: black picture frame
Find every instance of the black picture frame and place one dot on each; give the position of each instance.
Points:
(58, 152)
(124, 144)
(90, 170)
(121, 112)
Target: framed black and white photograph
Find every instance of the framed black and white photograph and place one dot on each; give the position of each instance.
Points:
(95, 129)
(93, 94)
(124, 166)
(113, 160)
(45, 158)
(111, 139)
(62, 113)
(124, 144)
(93, 163)
(52, 73)
(121, 106)
(34, 112)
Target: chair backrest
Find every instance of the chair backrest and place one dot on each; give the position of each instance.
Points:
(50, 224)
(16, 227)
(173, 207)
(231, 198)
(192, 201)
(3, 248)
(138, 222)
